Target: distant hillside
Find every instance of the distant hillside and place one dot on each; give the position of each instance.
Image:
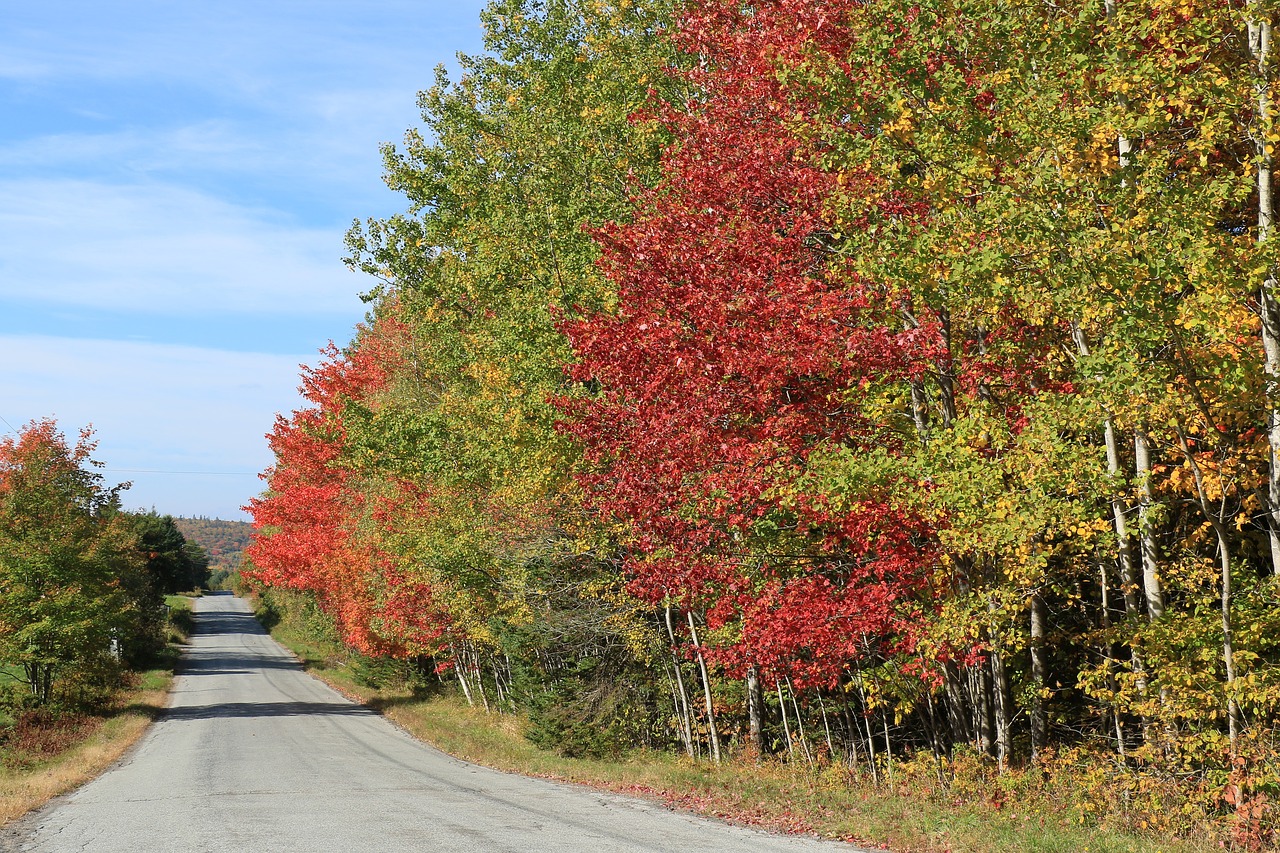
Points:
(223, 541)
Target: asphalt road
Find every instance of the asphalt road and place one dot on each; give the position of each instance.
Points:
(255, 755)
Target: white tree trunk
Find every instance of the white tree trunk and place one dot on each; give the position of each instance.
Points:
(712, 733)
(1151, 584)
(755, 712)
(1268, 309)
(1224, 563)
(786, 725)
(682, 707)
(1000, 705)
(1039, 676)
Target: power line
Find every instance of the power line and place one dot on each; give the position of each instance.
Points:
(202, 473)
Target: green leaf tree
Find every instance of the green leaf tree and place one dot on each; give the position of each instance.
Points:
(62, 601)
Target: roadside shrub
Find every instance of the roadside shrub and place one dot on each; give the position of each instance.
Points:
(40, 733)
(225, 577)
(591, 718)
(181, 619)
(385, 672)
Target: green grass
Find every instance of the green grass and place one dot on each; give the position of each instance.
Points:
(181, 617)
(769, 795)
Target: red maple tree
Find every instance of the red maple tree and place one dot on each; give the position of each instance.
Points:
(306, 523)
(739, 348)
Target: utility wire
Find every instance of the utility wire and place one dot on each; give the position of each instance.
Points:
(156, 471)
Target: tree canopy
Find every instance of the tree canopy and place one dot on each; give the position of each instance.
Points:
(79, 585)
(907, 372)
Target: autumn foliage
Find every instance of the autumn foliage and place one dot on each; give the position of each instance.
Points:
(313, 508)
(80, 592)
(739, 342)
(905, 374)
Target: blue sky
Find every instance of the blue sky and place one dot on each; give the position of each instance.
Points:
(175, 182)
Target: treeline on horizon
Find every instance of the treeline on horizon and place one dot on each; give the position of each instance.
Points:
(223, 541)
(853, 382)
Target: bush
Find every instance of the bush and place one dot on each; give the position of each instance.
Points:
(181, 620)
(225, 577)
(41, 733)
(592, 717)
(385, 672)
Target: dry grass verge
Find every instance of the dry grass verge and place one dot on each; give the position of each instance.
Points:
(768, 795)
(47, 755)
(39, 778)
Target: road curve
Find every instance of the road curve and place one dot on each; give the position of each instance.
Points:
(254, 754)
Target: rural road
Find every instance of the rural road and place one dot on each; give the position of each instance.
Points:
(254, 754)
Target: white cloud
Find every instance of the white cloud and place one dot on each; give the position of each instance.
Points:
(246, 48)
(199, 146)
(180, 171)
(163, 249)
(157, 408)
(331, 151)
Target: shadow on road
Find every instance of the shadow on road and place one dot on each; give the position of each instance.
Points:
(217, 662)
(227, 623)
(266, 709)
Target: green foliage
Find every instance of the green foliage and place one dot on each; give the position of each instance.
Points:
(225, 578)
(1052, 209)
(300, 611)
(175, 564)
(595, 712)
(74, 594)
(393, 673)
